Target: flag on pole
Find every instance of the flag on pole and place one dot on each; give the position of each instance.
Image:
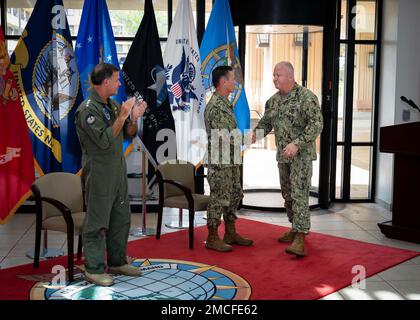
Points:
(95, 44)
(45, 67)
(16, 161)
(185, 86)
(218, 48)
(144, 77)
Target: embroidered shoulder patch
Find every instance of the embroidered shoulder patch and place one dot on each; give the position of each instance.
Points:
(90, 119)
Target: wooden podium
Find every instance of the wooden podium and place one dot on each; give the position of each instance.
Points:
(404, 141)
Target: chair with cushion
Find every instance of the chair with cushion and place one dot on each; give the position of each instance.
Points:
(59, 207)
(177, 190)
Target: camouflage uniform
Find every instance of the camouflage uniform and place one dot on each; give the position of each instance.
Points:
(223, 171)
(296, 118)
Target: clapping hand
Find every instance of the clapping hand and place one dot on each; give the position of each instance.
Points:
(138, 110)
(126, 107)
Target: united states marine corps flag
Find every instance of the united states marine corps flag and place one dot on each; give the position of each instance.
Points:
(45, 67)
(16, 162)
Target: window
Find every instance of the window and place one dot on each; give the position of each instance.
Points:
(263, 40)
(355, 150)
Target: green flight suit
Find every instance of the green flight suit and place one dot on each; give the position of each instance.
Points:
(224, 174)
(295, 118)
(107, 223)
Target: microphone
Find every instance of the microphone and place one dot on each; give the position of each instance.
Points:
(410, 103)
(404, 99)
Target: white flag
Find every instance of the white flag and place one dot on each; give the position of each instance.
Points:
(185, 86)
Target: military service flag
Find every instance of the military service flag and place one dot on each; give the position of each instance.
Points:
(16, 161)
(95, 43)
(218, 48)
(45, 66)
(144, 77)
(185, 86)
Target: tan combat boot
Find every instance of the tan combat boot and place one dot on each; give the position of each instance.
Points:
(298, 246)
(214, 242)
(102, 279)
(231, 237)
(287, 236)
(126, 269)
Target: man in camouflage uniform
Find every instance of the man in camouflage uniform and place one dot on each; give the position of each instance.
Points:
(224, 160)
(294, 114)
(101, 124)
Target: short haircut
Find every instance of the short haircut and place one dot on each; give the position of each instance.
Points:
(218, 73)
(101, 72)
(288, 66)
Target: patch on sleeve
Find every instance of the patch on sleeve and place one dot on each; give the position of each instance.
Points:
(90, 119)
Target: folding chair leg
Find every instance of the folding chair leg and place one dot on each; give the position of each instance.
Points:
(70, 257)
(159, 222)
(191, 228)
(79, 247)
(37, 247)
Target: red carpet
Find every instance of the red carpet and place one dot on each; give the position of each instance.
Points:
(271, 273)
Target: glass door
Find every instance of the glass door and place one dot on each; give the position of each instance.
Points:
(265, 46)
(356, 117)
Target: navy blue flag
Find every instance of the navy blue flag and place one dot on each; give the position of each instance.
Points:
(45, 67)
(95, 43)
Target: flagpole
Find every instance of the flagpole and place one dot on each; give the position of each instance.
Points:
(143, 231)
(143, 189)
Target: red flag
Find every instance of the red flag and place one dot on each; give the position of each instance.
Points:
(16, 160)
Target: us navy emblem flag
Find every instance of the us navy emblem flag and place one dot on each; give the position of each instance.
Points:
(45, 67)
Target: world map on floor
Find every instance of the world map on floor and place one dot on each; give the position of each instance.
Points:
(162, 279)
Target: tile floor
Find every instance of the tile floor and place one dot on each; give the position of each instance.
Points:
(353, 221)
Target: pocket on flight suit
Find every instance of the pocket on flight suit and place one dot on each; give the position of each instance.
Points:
(101, 198)
(104, 178)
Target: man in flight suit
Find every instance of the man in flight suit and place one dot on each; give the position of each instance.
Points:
(295, 116)
(224, 174)
(101, 125)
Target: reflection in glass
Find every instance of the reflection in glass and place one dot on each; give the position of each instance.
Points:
(341, 92)
(361, 165)
(343, 26)
(365, 20)
(363, 95)
(339, 173)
